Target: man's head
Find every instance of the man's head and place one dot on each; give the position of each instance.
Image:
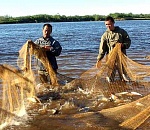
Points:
(109, 22)
(47, 30)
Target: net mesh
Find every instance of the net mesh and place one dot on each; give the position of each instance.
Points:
(25, 59)
(16, 87)
(127, 76)
(117, 76)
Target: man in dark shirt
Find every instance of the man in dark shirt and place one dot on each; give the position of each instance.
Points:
(52, 48)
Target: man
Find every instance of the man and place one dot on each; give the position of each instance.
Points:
(52, 48)
(112, 35)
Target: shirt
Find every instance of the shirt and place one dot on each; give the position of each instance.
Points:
(54, 51)
(110, 38)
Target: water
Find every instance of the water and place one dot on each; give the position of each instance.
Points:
(80, 43)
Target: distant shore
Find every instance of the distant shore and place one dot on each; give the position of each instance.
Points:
(137, 19)
(41, 18)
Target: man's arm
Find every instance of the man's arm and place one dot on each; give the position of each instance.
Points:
(102, 50)
(55, 48)
(126, 40)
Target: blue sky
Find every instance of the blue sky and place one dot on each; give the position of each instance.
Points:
(72, 7)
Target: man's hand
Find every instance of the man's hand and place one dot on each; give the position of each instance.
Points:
(122, 45)
(47, 48)
(98, 64)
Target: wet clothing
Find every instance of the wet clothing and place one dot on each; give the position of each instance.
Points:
(52, 53)
(110, 38)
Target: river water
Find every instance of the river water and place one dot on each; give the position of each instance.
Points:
(80, 43)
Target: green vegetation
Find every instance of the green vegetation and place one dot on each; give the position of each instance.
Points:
(62, 18)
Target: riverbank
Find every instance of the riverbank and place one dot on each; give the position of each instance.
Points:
(62, 18)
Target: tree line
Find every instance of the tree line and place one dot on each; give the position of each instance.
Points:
(62, 18)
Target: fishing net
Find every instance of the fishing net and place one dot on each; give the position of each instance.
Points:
(18, 84)
(25, 59)
(16, 87)
(121, 80)
(118, 77)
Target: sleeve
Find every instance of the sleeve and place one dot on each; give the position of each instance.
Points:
(126, 40)
(56, 48)
(103, 48)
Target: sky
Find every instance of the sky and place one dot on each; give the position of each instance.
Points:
(16, 8)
